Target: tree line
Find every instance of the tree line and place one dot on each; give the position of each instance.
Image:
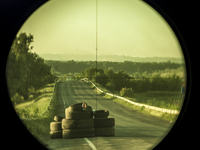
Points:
(25, 70)
(112, 58)
(65, 67)
(116, 81)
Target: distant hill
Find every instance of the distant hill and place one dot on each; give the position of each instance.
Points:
(111, 58)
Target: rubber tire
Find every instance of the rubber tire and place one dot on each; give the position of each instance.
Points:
(78, 133)
(101, 114)
(55, 134)
(104, 122)
(75, 108)
(78, 107)
(77, 104)
(68, 124)
(58, 118)
(77, 124)
(108, 131)
(56, 126)
(89, 109)
(91, 115)
(76, 115)
(91, 112)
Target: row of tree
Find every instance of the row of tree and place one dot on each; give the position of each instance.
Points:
(25, 70)
(65, 67)
(115, 81)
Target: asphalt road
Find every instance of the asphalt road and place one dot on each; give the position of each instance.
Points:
(133, 130)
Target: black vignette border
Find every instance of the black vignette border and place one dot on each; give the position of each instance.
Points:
(180, 16)
(13, 13)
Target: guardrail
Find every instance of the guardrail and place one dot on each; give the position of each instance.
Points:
(51, 98)
(138, 104)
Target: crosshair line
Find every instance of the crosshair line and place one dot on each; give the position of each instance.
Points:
(96, 40)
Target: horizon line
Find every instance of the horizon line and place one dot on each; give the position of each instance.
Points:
(112, 55)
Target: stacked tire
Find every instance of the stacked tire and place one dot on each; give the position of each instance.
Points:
(103, 125)
(56, 128)
(78, 123)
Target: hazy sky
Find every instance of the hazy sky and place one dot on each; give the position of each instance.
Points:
(125, 27)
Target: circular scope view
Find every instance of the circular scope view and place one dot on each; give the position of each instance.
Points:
(96, 75)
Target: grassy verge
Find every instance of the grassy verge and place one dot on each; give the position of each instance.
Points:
(37, 105)
(162, 115)
(33, 108)
(149, 98)
(162, 99)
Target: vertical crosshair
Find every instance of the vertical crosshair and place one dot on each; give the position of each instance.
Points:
(96, 47)
(96, 40)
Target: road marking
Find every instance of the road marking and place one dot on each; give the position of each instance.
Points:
(91, 144)
(63, 102)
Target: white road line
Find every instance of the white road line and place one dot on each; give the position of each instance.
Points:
(63, 102)
(91, 144)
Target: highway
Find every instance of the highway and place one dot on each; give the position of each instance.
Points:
(133, 130)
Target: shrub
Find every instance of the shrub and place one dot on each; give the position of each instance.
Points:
(36, 111)
(16, 99)
(127, 92)
(101, 78)
(142, 108)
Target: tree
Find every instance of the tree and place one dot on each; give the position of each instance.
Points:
(101, 78)
(121, 79)
(111, 85)
(13, 75)
(127, 92)
(145, 74)
(90, 72)
(25, 70)
(110, 74)
(18, 59)
(137, 75)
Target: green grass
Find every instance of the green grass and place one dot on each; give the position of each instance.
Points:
(162, 115)
(37, 105)
(33, 108)
(163, 99)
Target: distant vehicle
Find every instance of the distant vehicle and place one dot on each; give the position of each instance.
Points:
(84, 79)
(68, 79)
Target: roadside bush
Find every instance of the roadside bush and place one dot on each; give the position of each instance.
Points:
(23, 113)
(127, 92)
(101, 78)
(142, 108)
(36, 111)
(16, 99)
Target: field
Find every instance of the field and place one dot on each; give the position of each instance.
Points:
(162, 115)
(36, 103)
(34, 107)
(162, 99)
(168, 72)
